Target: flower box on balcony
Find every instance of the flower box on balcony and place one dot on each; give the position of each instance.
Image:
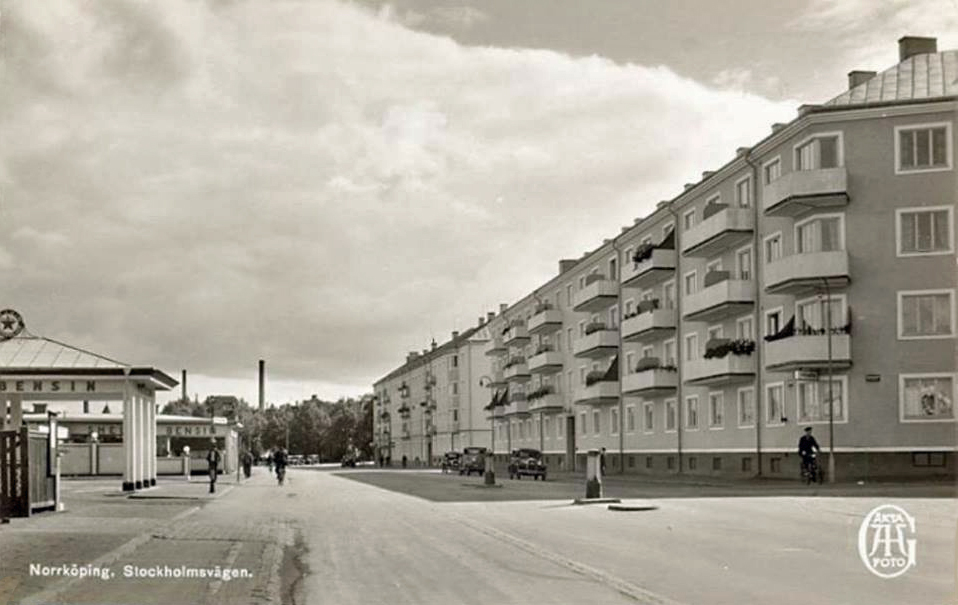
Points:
(544, 349)
(542, 307)
(593, 327)
(716, 277)
(540, 392)
(643, 252)
(514, 361)
(647, 305)
(593, 377)
(647, 363)
(717, 348)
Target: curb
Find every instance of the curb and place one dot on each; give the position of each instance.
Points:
(580, 501)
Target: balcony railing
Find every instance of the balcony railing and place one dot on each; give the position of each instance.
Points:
(808, 352)
(597, 295)
(726, 228)
(517, 372)
(518, 405)
(601, 343)
(549, 402)
(547, 362)
(515, 336)
(648, 325)
(722, 298)
(730, 369)
(806, 272)
(545, 321)
(656, 268)
(650, 382)
(495, 347)
(798, 192)
(599, 393)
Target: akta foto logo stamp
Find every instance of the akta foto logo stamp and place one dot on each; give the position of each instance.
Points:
(886, 541)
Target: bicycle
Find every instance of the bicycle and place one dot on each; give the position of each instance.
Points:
(812, 471)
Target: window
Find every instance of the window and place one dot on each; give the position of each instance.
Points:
(568, 333)
(560, 426)
(628, 254)
(714, 332)
(773, 321)
(629, 361)
(596, 422)
(568, 295)
(820, 234)
(716, 410)
(522, 430)
(743, 193)
(582, 371)
(668, 295)
(691, 346)
(923, 147)
(649, 410)
(569, 379)
(558, 299)
(746, 407)
(924, 231)
(670, 463)
(688, 220)
(630, 418)
(455, 415)
(668, 348)
(667, 229)
(547, 427)
(744, 329)
(582, 427)
(648, 351)
(693, 463)
(810, 314)
(774, 403)
(690, 283)
(454, 388)
(670, 415)
(743, 263)
(716, 463)
(926, 314)
(614, 421)
(692, 412)
(581, 328)
(813, 400)
(746, 465)
(927, 397)
(773, 248)
(613, 317)
(648, 462)
(819, 152)
(772, 170)
(928, 459)
(776, 464)
(455, 361)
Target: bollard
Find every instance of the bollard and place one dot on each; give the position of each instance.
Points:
(593, 475)
(186, 465)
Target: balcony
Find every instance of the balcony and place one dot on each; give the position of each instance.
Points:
(518, 405)
(724, 228)
(495, 347)
(650, 382)
(497, 380)
(515, 336)
(517, 372)
(731, 369)
(649, 325)
(798, 192)
(720, 298)
(599, 393)
(551, 402)
(657, 268)
(598, 294)
(546, 362)
(600, 343)
(807, 272)
(808, 352)
(545, 321)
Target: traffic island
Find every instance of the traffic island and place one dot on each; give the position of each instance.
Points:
(633, 507)
(580, 501)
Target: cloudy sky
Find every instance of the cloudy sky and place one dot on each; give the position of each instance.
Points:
(327, 185)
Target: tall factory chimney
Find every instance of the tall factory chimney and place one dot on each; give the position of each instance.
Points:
(262, 385)
(184, 396)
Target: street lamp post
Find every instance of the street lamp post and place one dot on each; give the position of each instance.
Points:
(831, 400)
(489, 477)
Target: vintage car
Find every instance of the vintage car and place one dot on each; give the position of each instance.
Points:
(527, 462)
(473, 461)
(451, 461)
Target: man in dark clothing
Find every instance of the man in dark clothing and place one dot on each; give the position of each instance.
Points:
(213, 458)
(280, 460)
(602, 462)
(805, 446)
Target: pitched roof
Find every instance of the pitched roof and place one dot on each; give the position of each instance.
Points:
(924, 76)
(40, 352)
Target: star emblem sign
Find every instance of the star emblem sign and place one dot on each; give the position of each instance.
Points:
(11, 324)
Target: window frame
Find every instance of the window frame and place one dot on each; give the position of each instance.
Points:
(949, 151)
(687, 416)
(648, 429)
(778, 421)
(781, 247)
(721, 399)
(917, 209)
(630, 416)
(777, 159)
(901, 394)
(695, 282)
(674, 403)
(818, 135)
(840, 298)
(841, 231)
(841, 378)
(751, 262)
(738, 327)
(745, 179)
(686, 226)
(738, 407)
(901, 294)
(781, 312)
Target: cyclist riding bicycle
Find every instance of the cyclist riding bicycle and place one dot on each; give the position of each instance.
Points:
(806, 444)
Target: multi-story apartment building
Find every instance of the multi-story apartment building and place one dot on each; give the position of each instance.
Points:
(810, 281)
(434, 403)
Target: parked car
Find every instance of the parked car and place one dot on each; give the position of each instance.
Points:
(473, 461)
(294, 459)
(451, 461)
(526, 461)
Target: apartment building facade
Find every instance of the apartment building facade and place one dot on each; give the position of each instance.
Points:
(810, 281)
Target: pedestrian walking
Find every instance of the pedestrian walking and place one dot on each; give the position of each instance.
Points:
(602, 462)
(213, 458)
(247, 464)
(405, 460)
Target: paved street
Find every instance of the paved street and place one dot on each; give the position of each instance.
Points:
(409, 537)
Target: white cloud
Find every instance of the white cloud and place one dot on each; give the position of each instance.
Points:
(315, 184)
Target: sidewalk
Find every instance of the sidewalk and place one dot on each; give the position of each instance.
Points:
(171, 528)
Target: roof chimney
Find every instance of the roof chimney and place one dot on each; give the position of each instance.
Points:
(455, 334)
(859, 77)
(490, 315)
(909, 46)
(503, 307)
(807, 108)
(433, 345)
(565, 264)
(742, 150)
(707, 174)
(689, 186)
(777, 126)
(479, 323)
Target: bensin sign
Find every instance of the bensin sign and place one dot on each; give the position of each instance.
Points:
(48, 386)
(886, 541)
